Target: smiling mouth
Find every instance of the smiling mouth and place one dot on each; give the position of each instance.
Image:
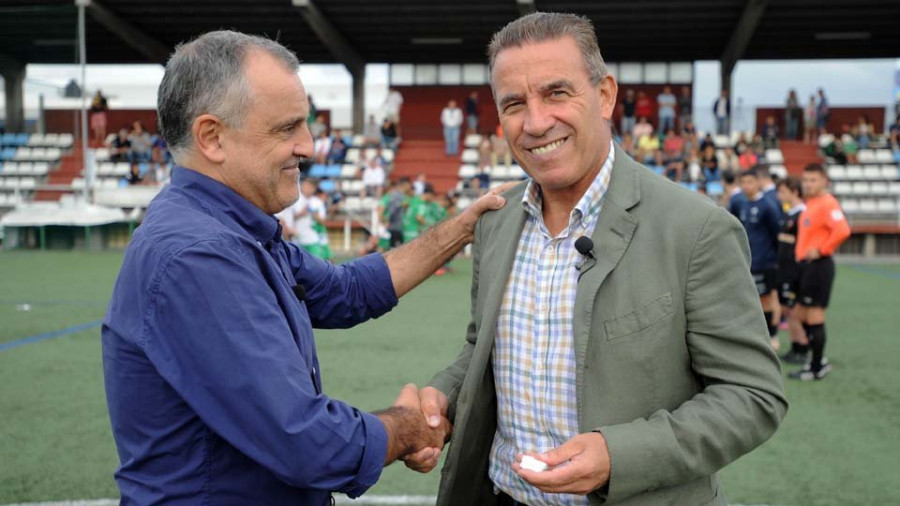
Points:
(549, 148)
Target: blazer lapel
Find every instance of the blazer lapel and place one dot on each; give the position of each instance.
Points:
(612, 235)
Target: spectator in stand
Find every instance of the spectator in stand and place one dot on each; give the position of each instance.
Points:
(685, 109)
(393, 208)
(99, 117)
(810, 136)
(451, 119)
(694, 172)
(730, 161)
(648, 147)
(485, 153)
(500, 149)
(757, 145)
(389, 135)
(392, 104)
(338, 152)
(709, 164)
(134, 177)
(120, 148)
(707, 141)
(643, 107)
(161, 159)
(322, 147)
(419, 184)
(372, 133)
(141, 143)
(722, 112)
(747, 158)
(628, 144)
(848, 141)
(666, 103)
(373, 178)
(673, 155)
(482, 181)
(823, 112)
(472, 113)
(865, 130)
(318, 126)
(313, 110)
(642, 128)
(628, 106)
(792, 116)
(835, 149)
(894, 135)
(770, 133)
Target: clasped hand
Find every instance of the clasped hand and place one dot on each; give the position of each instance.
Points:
(418, 427)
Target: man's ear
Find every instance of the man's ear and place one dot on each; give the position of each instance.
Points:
(207, 133)
(608, 90)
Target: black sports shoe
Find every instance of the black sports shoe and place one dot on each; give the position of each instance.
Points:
(792, 357)
(806, 374)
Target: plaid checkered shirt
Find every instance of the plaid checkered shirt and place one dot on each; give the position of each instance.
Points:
(534, 354)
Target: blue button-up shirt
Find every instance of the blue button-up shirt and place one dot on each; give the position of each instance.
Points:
(209, 361)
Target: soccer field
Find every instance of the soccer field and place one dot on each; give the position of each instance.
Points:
(840, 443)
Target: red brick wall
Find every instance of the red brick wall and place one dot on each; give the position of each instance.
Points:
(840, 116)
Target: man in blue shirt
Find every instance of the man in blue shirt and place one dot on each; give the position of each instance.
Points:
(760, 218)
(211, 372)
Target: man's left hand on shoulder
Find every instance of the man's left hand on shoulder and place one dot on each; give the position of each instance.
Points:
(580, 466)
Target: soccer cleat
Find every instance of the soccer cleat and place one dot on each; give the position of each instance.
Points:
(806, 374)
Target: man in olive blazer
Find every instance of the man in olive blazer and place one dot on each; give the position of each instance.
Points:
(674, 377)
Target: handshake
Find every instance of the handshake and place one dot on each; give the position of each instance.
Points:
(417, 427)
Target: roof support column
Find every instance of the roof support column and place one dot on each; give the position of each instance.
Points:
(152, 48)
(343, 51)
(740, 39)
(13, 73)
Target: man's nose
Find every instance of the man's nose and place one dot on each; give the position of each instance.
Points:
(538, 119)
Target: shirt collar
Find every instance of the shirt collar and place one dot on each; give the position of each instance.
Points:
(220, 199)
(589, 203)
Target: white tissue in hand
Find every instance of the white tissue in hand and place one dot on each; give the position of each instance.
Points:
(532, 464)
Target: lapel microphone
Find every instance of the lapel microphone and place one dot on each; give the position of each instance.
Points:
(300, 292)
(585, 246)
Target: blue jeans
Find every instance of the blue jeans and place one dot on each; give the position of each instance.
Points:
(722, 126)
(665, 123)
(451, 140)
(627, 125)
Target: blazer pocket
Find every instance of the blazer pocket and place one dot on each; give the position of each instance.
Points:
(639, 319)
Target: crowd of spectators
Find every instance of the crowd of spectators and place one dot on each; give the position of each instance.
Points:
(146, 153)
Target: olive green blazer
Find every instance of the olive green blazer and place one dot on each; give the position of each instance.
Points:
(674, 363)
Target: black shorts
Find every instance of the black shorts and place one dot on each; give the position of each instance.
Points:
(816, 278)
(788, 281)
(765, 281)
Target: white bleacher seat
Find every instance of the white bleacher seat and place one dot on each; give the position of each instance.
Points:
(40, 168)
(825, 140)
(27, 183)
(861, 188)
(868, 206)
(105, 169)
(854, 172)
(467, 171)
(472, 141)
(463, 202)
(887, 206)
(850, 206)
(842, 188)
(368, 153)
(894, 187)
(101, 154)
(884, 156)
(470, 156)
(388, 155)
(109, 183)
(53, 154)
(890, 172)
(516, 172)
(10, 169)
(26, 168)
(499, 172)
(4, 200)
(65, 141)
(722, 141)
(51, 140)
(865, 156)
(78, 183)
(774, 156)
(368, 204)
(36, 140)
(122, 169)
(358, 141)
(778, 170)
(22, 153)
(352, 156)
(878, 188)
(39, 154)
(837, 172)
(349, 171)
(355, 186)
(872, 172)
(9, 183)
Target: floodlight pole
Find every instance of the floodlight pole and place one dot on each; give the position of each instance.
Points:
(82, 50)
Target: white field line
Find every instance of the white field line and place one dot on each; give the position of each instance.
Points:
(392, 500)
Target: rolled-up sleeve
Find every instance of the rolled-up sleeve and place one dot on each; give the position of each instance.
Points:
(215, 332)
(341, 296)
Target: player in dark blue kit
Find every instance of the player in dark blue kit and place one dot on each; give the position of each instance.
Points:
(760, 218)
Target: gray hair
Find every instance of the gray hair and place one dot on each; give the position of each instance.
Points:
(545, 26)
(206, 76)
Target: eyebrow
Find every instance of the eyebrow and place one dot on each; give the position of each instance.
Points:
(291, 122)
(553, 85)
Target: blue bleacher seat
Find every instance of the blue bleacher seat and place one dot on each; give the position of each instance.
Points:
(333, 171)
(657, 169)
(327, 185)
(317, 171)
(715, 187)
(143, 168)
(348, 140)
(8, 139)
(22, 139)
(7, 153)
